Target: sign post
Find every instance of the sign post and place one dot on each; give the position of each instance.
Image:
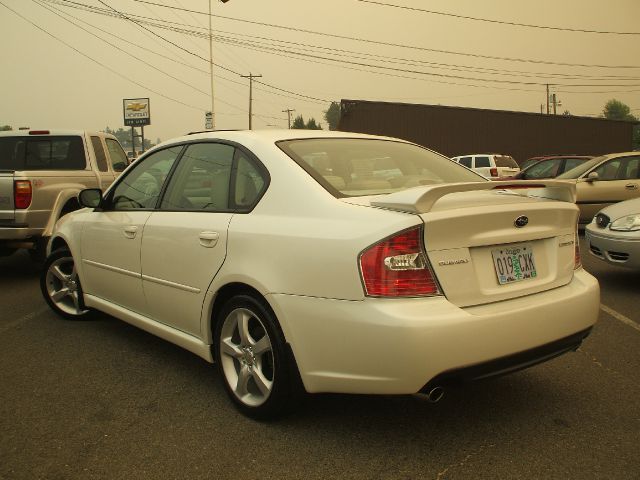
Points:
(136, 114)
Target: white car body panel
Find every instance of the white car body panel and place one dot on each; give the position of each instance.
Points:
(302, 257)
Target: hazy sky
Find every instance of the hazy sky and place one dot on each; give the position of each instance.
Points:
(308, 53)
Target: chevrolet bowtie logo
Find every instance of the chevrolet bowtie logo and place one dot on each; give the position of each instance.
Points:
(136, 106)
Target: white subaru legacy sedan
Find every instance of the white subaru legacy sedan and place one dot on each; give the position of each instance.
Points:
(327, 262)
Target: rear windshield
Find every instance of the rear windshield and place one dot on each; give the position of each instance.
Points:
(356, 167)
(42, 153)
(505, 161)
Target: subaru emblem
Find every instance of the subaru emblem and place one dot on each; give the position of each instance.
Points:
(521, 221)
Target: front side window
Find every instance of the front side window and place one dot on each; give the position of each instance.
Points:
(355, 166)
(141, 186)
(118, 158)
(201, 180)
(609, 170)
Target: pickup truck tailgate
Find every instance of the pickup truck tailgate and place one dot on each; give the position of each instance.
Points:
(6, 197)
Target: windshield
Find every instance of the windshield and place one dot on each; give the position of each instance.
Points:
(581, 169)
(356, 167)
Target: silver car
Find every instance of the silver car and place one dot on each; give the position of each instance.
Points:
(614, 234)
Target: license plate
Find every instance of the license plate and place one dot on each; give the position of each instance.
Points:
(514, 263)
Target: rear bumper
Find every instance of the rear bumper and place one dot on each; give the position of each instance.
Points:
(397, 346)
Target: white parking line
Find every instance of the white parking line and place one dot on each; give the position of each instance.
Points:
(619, 316)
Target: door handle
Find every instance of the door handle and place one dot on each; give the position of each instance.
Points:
(209, 239)
(130, 231)
(631, 186)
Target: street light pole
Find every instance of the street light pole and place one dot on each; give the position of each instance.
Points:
(213, 115)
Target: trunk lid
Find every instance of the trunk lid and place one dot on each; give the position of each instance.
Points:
(482, 248)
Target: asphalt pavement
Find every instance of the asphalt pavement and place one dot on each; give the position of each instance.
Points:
(103, 400)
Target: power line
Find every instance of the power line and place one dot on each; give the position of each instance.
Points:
(390, 44)
(97, 62)
(489, 20)
(263, 48)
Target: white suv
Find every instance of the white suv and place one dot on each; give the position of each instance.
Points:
(489, 165)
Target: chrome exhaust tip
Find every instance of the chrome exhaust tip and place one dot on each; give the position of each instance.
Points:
(435, 394)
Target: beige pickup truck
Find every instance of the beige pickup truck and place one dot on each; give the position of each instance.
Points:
(41, 173)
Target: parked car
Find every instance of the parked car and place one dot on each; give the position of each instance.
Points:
(549, 167)
(489, 165)
(41, 174)
(327, 262)
(603, 181)
(614, 234)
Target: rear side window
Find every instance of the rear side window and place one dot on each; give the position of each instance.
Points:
(101, 157)
(42, 153)
(505, 161)
(482, 162)
(201, 180)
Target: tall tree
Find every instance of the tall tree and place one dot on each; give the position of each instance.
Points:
(298, 122)
(312, 125)
(332, 115)
(616, 110)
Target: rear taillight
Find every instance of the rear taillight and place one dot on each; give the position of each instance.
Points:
(398, 267)
(22, 194)
(577, 259)
(494, 172)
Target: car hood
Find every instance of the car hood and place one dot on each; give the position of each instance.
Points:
(620, 209)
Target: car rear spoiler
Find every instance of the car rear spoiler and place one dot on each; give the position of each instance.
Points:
(422, 199)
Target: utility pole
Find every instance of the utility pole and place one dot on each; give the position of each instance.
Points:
(289, 110)
(250, 77)
(547, 99)
(213, 114)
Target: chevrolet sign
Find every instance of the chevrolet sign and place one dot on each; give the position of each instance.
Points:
(136, 112)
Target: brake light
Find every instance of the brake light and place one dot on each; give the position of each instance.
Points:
(494, 172)
(398, 267)
(39, 132)
(22, 194)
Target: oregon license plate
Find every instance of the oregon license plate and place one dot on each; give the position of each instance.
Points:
(514, 263)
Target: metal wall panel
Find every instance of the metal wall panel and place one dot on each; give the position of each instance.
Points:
(457, 131)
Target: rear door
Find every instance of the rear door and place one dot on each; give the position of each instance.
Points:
(185, 240)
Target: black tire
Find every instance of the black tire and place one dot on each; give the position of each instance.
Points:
(258, 373)
(61, 287)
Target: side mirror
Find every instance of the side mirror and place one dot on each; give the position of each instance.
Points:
(592, 177)
(90, 197)
(119, 166)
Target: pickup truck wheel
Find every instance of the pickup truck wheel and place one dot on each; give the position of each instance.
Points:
(61, 287)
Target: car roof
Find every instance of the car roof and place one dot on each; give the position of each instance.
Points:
(59, 132)
(268, 136)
